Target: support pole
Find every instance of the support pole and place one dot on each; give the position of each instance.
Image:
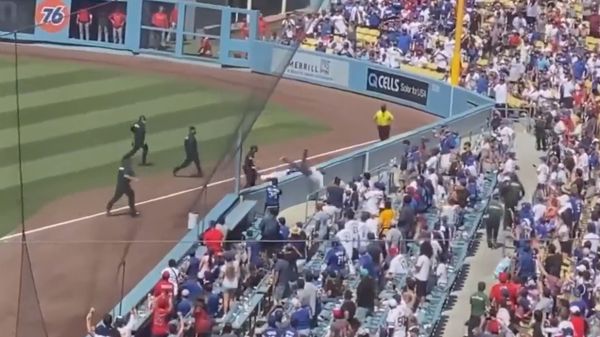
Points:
(238, 162)
(456, 57)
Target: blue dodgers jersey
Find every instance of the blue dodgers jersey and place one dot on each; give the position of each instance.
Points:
(273, 193)
(289, 332)
(336, 257)
(271, 332)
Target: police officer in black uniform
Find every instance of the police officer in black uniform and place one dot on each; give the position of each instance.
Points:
(249, 167)
(190, 145)
(511, 192)
(540, 133)
(124, 178)
(139, 140)
(492, 219)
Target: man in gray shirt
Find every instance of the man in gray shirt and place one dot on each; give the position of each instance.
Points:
(281, 278)
(307, 292)
(321, 219)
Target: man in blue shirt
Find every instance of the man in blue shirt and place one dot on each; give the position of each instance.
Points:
(526, 263)
(184, 307)
(272, 196)
(404, 40)
(194, 265)
(336, 258)
(194, 286)
(273, 320)
(579, 69)
(365, 261)
(482, 84)
(301, 318)
(212, 301)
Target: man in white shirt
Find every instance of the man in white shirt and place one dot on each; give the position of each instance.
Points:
(510, 165)
(566, 92)
(397, 319)
(501, 96)
(346, 240)
(583, 163)
(592, 237)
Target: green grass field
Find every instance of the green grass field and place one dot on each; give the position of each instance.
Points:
(75, 122)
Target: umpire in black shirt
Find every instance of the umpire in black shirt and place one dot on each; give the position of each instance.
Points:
(139, 140)
(124, 178)
(250, 167)
(190, 145)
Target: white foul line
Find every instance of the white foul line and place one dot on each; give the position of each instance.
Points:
(168, 196)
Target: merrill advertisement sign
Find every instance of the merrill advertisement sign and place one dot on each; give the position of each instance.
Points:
(310, 67)
(397, 86)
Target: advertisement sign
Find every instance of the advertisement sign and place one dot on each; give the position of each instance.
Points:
(397, 86)
(310, 67)
(52, 16)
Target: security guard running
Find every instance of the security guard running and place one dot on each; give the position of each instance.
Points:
(250, 167)
(139, 140)
(492, 219)
(383, 119)
(190, 145)
(124, 178)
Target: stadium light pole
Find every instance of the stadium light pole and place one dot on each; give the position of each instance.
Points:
(458, 31)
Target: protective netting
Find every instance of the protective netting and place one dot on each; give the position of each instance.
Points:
(68, 123)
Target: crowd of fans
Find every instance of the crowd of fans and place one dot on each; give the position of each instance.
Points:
(366, 260)
(522, 53)
(369, 250)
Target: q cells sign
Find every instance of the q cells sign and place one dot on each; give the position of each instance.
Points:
(397, 86)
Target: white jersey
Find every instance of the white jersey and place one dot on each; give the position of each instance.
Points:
(345, 237)
(363, 232)
(397, 319)
(352, 226)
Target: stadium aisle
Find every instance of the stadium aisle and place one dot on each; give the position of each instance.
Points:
(482, 265)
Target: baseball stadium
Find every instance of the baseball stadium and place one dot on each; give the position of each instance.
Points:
(77, 80)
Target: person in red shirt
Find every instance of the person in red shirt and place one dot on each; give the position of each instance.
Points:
(496, 290)
(164, 285)
(213, 238)
(117, 20)
(205, 47)
(160, 19)
(84, 19)
(579, 322)
(202, 321)
(161, 309)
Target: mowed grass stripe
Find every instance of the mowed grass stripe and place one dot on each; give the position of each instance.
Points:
(137, 92)
(64, 126)
(34, 69)
(74, 162)
(39, 192)
(49, 81)
(64, 94)
(90, 139)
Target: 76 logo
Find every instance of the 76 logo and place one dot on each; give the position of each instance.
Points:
(53, 15)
